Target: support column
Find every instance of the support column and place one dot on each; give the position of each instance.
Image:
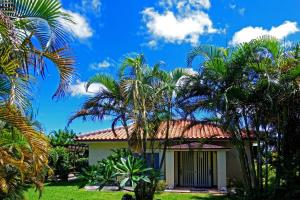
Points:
(170, 169)
(221, 165)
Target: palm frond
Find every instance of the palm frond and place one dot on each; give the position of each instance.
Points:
(106, 80)
(31, 163)
(37, 141)
(208, 51)
(42, 17)
(64, 63)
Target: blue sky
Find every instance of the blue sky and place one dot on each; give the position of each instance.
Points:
(163, 30)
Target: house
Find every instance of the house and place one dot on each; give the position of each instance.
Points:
(199, 155)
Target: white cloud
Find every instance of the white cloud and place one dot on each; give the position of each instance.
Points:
(249, 33)
(78, 89)
(152, 43)
(80, 28)
(107, 62)
(90, 5)
(189, 4)
(181, 21)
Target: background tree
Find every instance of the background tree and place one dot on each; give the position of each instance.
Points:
(244, 88)
(62, 137)
(66, 155)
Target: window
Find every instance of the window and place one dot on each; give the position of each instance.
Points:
(155, 160)
(155, 164)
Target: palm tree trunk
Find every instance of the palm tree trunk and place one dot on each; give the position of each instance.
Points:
(259, 165)
(124, 123)
(266, 163)
(167, 136)
(245, 162)
(278, 166)
(12, 95)
(252, 168)
(145, 131)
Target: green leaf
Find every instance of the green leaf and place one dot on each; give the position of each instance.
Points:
(123, 182)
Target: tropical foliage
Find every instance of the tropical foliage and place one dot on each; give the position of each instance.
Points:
(59, 161)
(66, 155)
(104, 172)
(132, 169)
(121, 168)
(143, 96)
(62, 138)
(31, 36)
(253, 91)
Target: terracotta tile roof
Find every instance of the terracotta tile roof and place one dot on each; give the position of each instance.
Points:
(179, 129)
(196, 145)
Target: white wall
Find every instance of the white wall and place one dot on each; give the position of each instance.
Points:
(170, 179)
(100, 150)
(221, 169)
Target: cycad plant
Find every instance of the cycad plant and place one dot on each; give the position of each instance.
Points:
(132, 170)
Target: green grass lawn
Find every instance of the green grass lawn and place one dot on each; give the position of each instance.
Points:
(70, 191)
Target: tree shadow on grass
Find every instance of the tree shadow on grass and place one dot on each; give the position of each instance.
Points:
(65, 183)
(212, 197)
(196, 197)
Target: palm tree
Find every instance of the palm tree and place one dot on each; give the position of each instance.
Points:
(169, 84)
(107, 102)
(33, 161)
(137, 89)
(245, 87)
(143, 96)
(22, 23)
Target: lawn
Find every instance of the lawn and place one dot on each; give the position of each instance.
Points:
(70, 191)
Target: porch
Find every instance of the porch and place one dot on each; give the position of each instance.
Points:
(196, 166)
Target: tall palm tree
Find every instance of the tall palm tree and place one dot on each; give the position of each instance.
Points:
(168, 88)
(245, 87)
(143, 96)
(23, 23)
(137, 89)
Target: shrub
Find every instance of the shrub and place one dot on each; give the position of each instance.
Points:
(161, 186)
(81, 163)
(133, 170)
(12, 186)
(90, 176)
(122, 168)
(60, 162)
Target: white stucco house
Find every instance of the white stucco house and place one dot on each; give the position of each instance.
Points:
(199, 156)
